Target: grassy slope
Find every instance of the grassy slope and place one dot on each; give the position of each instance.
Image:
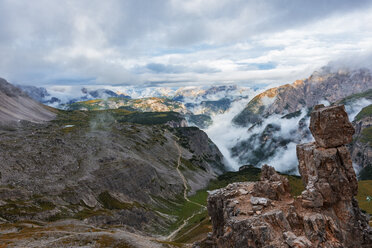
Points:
(83, 118)
(367, 94)
(364, 190)
(367, 111)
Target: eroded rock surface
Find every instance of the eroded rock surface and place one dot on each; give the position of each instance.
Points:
(330, 126)
(326, 214)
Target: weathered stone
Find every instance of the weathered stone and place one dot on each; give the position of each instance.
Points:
(243, 191)
(327, 171)
(272, 185)
(298, 242)
(311, 198)
(330, 126)
(259, 201)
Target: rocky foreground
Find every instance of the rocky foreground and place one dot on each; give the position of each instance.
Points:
(326, 214)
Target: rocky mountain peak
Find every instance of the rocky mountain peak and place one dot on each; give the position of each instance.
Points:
(326, 214)
(326, 85)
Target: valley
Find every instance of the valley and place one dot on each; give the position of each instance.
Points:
(185, 124)
(137, 172)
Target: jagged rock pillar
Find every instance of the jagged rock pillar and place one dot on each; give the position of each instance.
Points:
(328, 175)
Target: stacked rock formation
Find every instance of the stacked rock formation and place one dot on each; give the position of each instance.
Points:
(326, 214)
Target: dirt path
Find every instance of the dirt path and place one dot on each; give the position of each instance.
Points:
(186, 187)
(174, 233)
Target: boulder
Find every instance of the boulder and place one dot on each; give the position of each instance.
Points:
(330, 126)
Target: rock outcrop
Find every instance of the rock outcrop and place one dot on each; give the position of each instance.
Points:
(326, 214)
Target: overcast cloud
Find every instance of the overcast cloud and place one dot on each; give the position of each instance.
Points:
(177, 42)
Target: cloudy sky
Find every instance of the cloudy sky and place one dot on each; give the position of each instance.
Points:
(178, 42)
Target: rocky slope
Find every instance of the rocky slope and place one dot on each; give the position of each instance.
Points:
(326, 214)
(101, 170)
(16, 106)
(93, 170)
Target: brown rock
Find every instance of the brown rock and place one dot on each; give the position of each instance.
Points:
(330, 126)
(328, 172)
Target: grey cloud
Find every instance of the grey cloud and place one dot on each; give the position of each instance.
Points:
(115, 32)
(174, 69)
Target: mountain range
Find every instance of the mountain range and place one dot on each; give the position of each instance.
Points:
(278, 118)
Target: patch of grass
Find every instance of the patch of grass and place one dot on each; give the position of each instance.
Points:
(364, 190)
(366, 173)
(248, 174)
(151, 118)
(189, 165)
(200, 197)
(45, 205)
(110, 202)
(59, 216)
(17, 208)
(366, 94)
(197, 228)
(296, 185)
(366, 135)
(172, 244)
(109, 241)
(367, 111)
(180, 208)
(87, 213)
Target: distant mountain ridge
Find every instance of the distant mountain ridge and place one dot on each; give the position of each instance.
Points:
(198, 104)
(277, 119)
(152, 104)
(324, 85)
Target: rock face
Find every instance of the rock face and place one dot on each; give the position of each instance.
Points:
(326, 214)
(331, 126)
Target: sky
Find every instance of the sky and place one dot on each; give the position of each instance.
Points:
(179, 42)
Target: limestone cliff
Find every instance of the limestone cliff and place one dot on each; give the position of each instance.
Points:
(326, 214)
